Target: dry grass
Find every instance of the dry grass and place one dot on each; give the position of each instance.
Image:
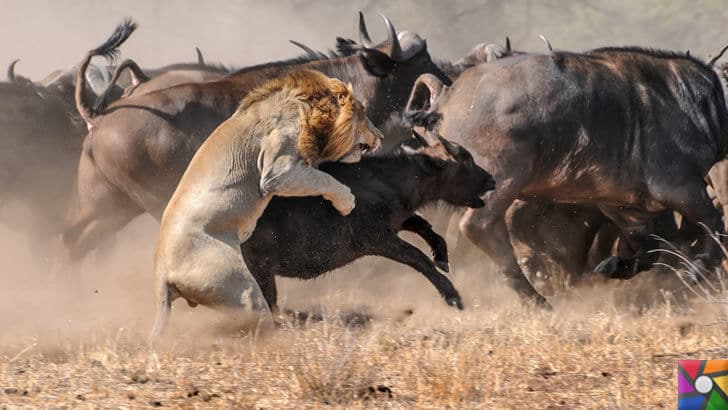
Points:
(508, 358)
(614, 345)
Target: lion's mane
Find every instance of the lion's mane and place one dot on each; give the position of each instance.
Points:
(329, 111)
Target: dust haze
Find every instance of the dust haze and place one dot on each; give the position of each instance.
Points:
(112, 291)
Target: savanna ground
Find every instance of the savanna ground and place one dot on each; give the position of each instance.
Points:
(82, 344)
(388, 340)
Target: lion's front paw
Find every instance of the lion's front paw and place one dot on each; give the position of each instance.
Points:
(345, 203)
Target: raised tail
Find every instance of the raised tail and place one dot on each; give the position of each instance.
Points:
(109, 50)
(137, 77)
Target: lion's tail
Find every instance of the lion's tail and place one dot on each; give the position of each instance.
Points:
(164, 307)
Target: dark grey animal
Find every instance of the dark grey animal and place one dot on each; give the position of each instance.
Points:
(306, 237)
(40, 138)
(630, 130)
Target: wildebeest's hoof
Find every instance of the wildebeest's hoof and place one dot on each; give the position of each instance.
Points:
(455, 302)
(609, 266)
(443, 266)
(541, 302)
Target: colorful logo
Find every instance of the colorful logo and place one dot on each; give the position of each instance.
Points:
(702, 384)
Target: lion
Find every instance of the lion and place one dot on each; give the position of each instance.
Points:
(270, 146)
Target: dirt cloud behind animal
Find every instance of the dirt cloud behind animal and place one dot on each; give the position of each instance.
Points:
(116, 285)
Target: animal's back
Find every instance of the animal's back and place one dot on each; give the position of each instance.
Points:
(591, 120)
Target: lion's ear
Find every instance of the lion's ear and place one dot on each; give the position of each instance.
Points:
(350, 88)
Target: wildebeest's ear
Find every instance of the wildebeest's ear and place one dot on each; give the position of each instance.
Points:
(421, 107)
(376, 62)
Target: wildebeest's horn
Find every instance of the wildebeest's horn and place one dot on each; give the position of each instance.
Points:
(718, 56)
(416, 135)
(363, 33)
(311, 52)
(11, 71)
(508, 45)
(200, 58)
(546, 41)
(395, 50)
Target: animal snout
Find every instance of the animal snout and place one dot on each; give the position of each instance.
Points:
(488, 184)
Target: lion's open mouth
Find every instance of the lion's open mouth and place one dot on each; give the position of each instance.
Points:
(366, 148)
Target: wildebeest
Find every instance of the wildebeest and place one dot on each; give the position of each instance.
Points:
(138, 147)
(631, 130)
(144, 81)
(306, 237)
(40, 138)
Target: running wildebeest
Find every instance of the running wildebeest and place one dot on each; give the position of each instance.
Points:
(306, 237)
(631, 130)
(138, 147)
(40, 139)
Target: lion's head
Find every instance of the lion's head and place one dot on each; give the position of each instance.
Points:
(334, 125)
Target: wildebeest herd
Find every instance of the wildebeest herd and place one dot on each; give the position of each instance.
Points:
(583, 158)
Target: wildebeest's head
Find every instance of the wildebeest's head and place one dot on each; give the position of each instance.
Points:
(397, 63)
(485, 53)
(452, 163)
(62, 83)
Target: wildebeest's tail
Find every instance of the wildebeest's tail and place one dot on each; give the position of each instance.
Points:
(109, 50)
(137, 77)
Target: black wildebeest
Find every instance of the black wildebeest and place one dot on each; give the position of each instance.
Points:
(138, 147)
(633, 131)
(306, 237)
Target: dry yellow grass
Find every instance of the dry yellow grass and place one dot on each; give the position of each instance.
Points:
(614, 345)
(508, 358)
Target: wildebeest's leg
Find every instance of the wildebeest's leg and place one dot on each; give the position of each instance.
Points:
(97, 211)
(635, 243)
(421, 227)
(402, 252)
(692, 201)
(719, 177)
(486, 228)
(267, 284)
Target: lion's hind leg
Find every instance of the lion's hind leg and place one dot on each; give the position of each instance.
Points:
(213, 273)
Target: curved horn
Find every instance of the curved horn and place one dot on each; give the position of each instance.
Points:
(719, 55)
(364, 33)
(200, 58)
(395, 50)
(508, 45)
(546, 41)
(11, 71)
(311, 52)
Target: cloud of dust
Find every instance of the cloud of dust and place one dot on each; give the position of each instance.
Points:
(114, 288)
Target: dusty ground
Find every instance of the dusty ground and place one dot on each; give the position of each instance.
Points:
(602, 347)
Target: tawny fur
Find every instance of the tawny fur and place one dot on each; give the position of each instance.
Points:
(268, 147)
